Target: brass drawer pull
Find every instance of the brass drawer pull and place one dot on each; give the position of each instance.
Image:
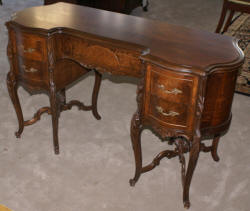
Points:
(174, 91)
(170, 113)
(28, 50)
(30, 70)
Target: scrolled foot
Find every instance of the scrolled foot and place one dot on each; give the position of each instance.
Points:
(56, 150)
(216, 157)
(96, 115)
(132, 182)
(17, 135)
(186, 204)
(214, 149)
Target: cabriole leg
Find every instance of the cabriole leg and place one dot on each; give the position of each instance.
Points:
(193, 158)
(12, 89)
(135, 133)
(98, 79)
(54, 105)
(214, 148)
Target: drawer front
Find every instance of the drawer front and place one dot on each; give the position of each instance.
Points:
(172, 113)
(171, 87)
(31, 46)
(31, 69)
(97, 54)
(170, 98)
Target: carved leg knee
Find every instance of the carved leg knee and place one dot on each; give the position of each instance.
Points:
(62, 95)
(182, 146)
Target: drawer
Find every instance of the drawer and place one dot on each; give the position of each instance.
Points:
(30, 69)
(173, 87)
(31, 46)
(170, 98)
(100, 55)
(168, 112)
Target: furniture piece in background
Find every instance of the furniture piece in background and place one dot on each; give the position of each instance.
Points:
(121, 6)
(240, 30)
(178, 95)
(145, 4)
(232, 6)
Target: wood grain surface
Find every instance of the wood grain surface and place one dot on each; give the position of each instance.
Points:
(174, 44)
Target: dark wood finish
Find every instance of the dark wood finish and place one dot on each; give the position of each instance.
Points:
(47, 2)
(214, 148)
(232, 7)
(36, 71)
(121, 6)
(140, 39)
(178, 96)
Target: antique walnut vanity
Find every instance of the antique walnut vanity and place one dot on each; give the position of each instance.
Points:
(187, 77)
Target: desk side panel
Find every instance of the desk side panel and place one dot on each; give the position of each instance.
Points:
(218, 101)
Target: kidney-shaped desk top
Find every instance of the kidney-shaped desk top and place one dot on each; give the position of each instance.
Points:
(170, 43)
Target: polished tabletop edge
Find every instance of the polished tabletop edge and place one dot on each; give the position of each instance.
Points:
(63, 30)
(158, 42)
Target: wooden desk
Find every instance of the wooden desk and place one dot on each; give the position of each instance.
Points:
(187, 77)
